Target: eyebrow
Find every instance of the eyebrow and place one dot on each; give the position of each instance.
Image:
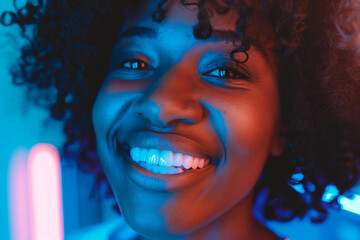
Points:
(143, 32)
(223, 35)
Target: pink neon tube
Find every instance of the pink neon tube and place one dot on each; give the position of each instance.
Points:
(46, 215)
(18, 196)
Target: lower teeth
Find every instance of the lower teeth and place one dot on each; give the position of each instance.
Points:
(160, 169)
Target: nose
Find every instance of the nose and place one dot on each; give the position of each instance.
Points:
(171, 99)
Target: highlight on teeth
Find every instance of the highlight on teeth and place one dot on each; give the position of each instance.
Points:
(166, 161)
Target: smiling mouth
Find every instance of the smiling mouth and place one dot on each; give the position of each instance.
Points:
(164, 161)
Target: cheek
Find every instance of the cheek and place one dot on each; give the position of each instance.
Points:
(250, 129)
(252, 117)
(245, 124)
(251, 126)
(108, 111)
(113, 98)
(122, 86)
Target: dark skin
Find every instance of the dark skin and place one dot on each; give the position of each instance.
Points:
(187, 96)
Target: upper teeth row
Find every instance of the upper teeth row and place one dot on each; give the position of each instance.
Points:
(167, 158)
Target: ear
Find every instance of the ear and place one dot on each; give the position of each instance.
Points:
(279, 141)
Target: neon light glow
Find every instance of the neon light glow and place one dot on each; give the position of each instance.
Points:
(330, 193)
(18, 196)
(351, 205)
(46, 216)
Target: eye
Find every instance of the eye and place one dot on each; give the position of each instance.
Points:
(226, 73)
(131, 69)
(135, 64)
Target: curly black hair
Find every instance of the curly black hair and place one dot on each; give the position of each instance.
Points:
(67, 57)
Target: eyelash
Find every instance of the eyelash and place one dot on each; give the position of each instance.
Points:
(135, 64)
(226, 72)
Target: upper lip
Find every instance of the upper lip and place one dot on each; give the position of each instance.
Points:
(166, 141)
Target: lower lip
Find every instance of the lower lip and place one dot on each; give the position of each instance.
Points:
(164, 182)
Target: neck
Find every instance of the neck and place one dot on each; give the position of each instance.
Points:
(237, 223)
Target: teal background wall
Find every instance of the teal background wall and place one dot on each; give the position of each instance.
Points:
(21, 125)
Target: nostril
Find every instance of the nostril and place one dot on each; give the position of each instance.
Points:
(183, 120)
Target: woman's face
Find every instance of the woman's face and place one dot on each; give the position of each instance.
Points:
(171, 99)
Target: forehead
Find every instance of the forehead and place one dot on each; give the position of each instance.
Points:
(180, 20)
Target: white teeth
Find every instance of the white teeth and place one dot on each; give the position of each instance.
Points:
(195, 163)
(201, 163)
(134, 153)
(171, 170)
(206, 162)
(153, 157)
(155, 168)
(166, 158)
(188, 161)
(162, 169)
(146, 166)
(142, 155)
(178, 159)
(166, 161)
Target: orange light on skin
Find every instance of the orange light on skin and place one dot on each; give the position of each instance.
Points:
(117, 85)
(45, 198)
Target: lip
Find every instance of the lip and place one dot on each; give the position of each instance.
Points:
(164, 182)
